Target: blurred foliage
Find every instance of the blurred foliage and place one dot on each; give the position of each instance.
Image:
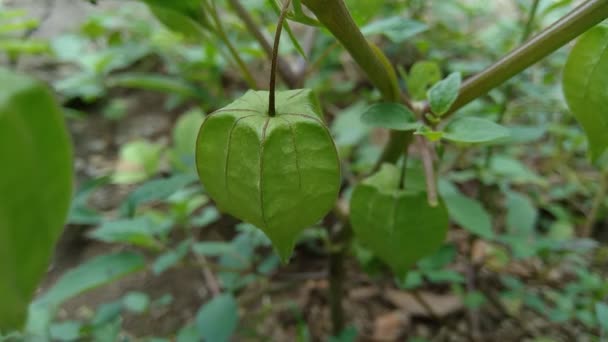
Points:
(520, 201)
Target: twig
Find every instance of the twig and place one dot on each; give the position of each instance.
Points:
(337, 274)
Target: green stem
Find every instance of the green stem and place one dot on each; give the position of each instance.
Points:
(233, 51)
(272, 110)
(334, 15)
(579, 20)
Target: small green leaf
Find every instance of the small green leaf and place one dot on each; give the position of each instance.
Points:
(465, 211)
(399, 226)
(444, 93)
(35, 189)
(429, 133)
(137, 302)
(390, 115)
(585, 85)
(422, 75)
(217, 320)
(474, 130)
(139, 160)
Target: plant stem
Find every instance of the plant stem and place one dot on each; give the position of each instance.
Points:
(272, 110)
(552, 38)
(233, 51)
(284, 69)
(337, 273)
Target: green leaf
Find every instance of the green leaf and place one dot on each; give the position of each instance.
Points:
(585, 84)
(139, 160)
(281, 173)
(137, 302)
(396, 29)
(474, 130)
(444, 93)
(466, 212)
(422, 75)
(87, 276)
(217, 320)
(521, 214)
(390, 115)
(399, 226)
(601, 311)
(35, 189)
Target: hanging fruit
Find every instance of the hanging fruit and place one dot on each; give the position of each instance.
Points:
(280, 173)
(398, 225)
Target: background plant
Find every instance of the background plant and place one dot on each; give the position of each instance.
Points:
(524, 203)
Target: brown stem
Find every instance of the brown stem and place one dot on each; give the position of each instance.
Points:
(337, 273)
(272, 110)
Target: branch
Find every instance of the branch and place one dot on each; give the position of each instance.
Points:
(582, 18)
